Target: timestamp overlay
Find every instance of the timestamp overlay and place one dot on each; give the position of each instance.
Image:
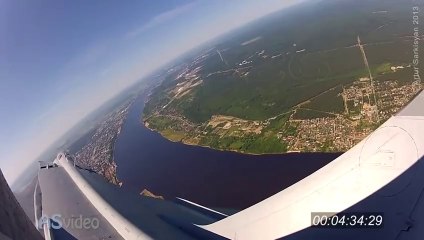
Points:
(347, 220)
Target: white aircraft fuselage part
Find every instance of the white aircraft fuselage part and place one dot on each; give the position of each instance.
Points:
(122, 225)
(370, 165)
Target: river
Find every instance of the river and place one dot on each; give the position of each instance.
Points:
(209, 177)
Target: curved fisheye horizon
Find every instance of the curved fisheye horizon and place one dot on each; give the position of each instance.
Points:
(62, 60)
(212, 119)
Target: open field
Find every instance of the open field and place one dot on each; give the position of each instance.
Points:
(295, 64)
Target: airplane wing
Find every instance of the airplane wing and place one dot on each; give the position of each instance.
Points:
(69, 194)
(381, 174)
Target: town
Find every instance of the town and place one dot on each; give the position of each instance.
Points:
(97, 155)
(365, 108)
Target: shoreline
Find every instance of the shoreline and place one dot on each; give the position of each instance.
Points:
(146, 124)
(98, 153)
(143, 150)
(115, 139)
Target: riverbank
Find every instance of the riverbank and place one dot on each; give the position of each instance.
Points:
(183, 140)
(98, 153)
(146, 124)
(147, 160)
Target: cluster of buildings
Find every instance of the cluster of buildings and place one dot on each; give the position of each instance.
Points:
(393, 96)
(367, 103)
(361, 117)
(332, 134)
(359, 100)
(97, 154)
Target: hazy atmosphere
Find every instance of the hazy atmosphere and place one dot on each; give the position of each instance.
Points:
(62, 59)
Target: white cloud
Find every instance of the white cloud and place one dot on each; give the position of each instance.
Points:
(91, 55)
(161, 18)
(77, 100)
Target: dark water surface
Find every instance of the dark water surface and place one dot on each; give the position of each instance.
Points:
(213, 178)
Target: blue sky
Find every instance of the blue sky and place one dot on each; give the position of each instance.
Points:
(60, 60)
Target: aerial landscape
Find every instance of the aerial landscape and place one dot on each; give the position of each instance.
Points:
(282, 86)
(269, 89)
(212, 119)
